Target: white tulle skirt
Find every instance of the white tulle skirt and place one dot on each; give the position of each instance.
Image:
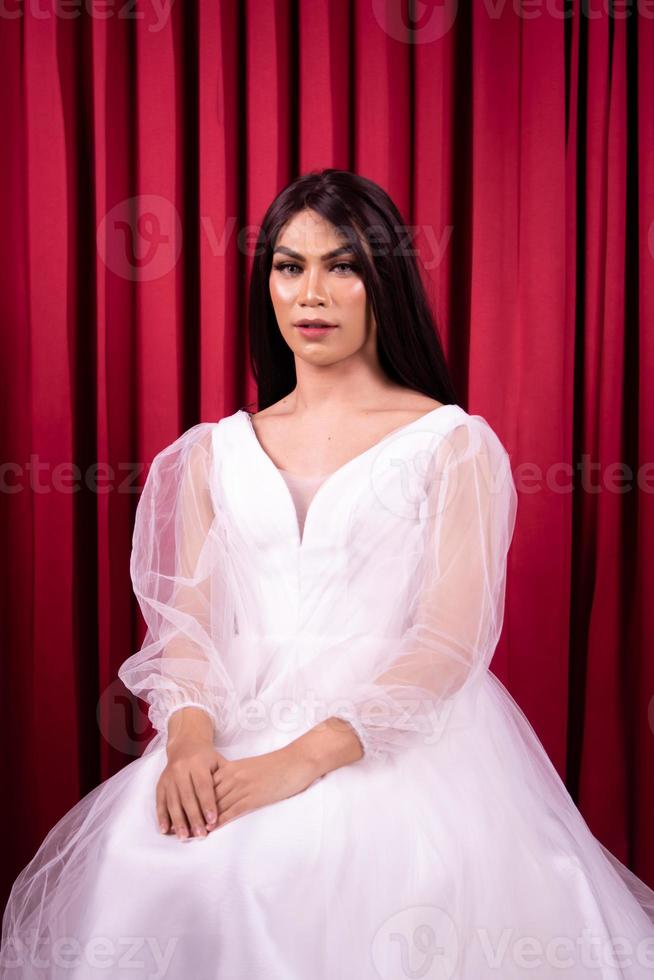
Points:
(466, 859)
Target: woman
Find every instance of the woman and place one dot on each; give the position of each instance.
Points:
(323, 583)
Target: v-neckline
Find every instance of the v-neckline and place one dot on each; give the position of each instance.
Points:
(300, 536)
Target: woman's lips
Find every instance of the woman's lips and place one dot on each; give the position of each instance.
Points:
(315, 331)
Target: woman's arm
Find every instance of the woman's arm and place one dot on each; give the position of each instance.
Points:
(178, 570)
(179, 576)
(190, 722)
(328, 745)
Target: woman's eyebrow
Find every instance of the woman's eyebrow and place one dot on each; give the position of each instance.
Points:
(328, 255)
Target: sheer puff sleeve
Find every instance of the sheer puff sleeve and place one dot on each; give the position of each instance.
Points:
(456, 610)
(179, 578)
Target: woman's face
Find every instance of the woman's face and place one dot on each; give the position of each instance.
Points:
(307, 282)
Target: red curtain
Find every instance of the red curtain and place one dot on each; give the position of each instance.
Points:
(142, 145)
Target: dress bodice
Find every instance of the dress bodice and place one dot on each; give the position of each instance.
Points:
(327, 555)
(302, 489)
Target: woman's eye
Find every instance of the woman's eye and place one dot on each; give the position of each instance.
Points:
(284, 266)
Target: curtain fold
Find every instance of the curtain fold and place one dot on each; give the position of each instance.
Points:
(141, 150)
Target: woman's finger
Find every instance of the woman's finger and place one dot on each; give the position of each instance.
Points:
(163, 817)
(235, 810)
(190, 802)
(224, 802)
(175, 809)
(203, 785)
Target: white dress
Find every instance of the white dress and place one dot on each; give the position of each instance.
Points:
(452, 849)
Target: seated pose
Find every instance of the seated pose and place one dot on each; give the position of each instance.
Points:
(339, 788)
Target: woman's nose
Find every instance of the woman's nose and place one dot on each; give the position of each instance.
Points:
(312, 286)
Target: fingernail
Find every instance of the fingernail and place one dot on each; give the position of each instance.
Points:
(163, 828)
(211, 816)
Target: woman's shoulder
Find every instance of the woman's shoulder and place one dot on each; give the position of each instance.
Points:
(460, 434)
(202, 432)
(196, 440)
(472, 447)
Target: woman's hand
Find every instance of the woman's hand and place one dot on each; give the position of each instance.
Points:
(246, 784)
(185, 797)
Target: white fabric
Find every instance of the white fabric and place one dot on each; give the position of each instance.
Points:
(451, 849)
(302, 489)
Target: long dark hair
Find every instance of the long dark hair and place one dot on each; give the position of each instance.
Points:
(408, 344)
